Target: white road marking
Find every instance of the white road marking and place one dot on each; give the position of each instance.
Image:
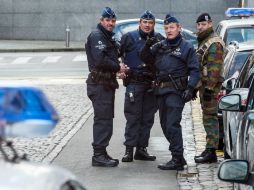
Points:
(80, 58)
(51, 59)
(21, 60)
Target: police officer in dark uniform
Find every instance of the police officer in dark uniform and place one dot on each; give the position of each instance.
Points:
(177, 75)
(102, 54)
(140, 103)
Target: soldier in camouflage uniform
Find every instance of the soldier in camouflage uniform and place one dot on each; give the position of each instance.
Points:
(210, 54)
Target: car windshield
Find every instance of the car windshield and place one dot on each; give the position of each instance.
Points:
(238, 61)
(243, 34)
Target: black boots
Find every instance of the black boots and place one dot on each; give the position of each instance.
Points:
(208, 156)
(202, 154)
(128, 157)
(101, 158)
(142, 154)
(177, 163)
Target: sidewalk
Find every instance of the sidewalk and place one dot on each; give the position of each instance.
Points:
(38, 46)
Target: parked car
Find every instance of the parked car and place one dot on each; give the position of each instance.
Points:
(245, 133)
(237, 84)
(25, 111)
(235, 57)
(240, 28)
(124, 26)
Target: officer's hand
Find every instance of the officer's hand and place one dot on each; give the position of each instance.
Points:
(187, 94)
(121, 75)
(123, 68)
(208, 94)
(151, 41)
(194, 94)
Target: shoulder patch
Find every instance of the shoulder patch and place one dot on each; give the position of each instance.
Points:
(100, 45)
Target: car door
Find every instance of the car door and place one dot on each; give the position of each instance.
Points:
(246, 129)
(245, 137)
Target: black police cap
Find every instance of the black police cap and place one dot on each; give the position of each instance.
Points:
(170, 19)
(204, 17)
(108, 13)
(147, 15)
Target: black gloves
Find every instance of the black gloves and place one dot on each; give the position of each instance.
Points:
(187, 94)
(151, 41)
(208, 94)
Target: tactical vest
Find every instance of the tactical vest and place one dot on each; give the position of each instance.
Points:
(202, 52)
(132, 57)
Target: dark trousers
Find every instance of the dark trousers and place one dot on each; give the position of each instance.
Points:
(170, 110)
(103, 105)
(139, 114)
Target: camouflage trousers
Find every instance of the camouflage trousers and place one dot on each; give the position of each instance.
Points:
(210, 120)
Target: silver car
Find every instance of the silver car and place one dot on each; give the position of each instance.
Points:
(245, 134)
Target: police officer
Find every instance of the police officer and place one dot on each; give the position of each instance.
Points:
(177, 75)
(210, 55)
(102, 53)
(140, 105)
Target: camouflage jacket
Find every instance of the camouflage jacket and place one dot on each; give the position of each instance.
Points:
(210, 59)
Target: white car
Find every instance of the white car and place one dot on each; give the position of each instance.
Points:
(26, 111)
(36, 176)
(240, 29)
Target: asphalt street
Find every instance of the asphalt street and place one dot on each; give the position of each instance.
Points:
(76, 157)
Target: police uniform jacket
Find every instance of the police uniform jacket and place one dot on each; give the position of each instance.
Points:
(131, 45)
(102, 51)
(174, 57)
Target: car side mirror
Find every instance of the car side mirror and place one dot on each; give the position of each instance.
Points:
(230, 102)
(250, 115)
(234, 171)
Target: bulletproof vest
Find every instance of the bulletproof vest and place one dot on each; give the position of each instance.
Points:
(132, 57)
(202, 52)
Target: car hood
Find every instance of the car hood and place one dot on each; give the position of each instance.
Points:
(32, 176)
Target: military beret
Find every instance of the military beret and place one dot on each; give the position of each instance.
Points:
(170, 19)
(204, 17)
(147, 15)
(108, 13)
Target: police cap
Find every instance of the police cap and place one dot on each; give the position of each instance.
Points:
(170, 19)
(108, 13)
(147, 15)
(204, 17)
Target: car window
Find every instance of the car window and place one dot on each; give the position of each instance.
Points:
(218, 29)
(246, 74)
(226, 63)
(250, 104)
(239, 34)
(128, 27)
(237, 63)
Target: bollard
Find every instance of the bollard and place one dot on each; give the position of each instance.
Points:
(67, 40)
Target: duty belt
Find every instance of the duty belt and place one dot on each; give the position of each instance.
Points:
(140, 78)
